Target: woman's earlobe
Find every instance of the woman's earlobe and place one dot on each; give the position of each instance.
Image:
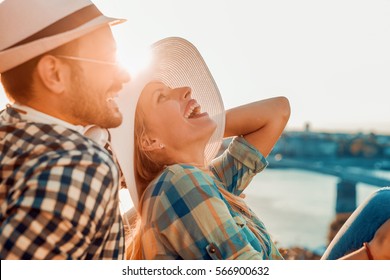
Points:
(149, 145)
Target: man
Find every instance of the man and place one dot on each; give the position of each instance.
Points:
(58, 187)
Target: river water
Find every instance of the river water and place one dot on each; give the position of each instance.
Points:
(298, 206)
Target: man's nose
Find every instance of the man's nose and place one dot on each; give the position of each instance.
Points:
(123, 75)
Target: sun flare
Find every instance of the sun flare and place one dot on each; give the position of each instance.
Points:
(134, 60)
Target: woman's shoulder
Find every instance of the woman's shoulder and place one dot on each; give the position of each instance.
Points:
(179, 187)
(181, 172)
(181, 178)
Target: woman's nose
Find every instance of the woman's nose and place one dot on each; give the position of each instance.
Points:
(184, 92)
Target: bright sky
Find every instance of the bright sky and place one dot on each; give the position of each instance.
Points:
(330, 58)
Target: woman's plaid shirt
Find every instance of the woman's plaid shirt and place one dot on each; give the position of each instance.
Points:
(186, 216)
(58, 194)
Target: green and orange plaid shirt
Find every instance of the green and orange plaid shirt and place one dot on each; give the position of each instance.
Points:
(185, 216)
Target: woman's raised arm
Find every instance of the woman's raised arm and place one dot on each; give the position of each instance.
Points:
(261, 123)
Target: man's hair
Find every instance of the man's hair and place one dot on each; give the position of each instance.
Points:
(18, 81)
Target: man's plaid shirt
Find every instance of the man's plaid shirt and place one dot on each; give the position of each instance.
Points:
(58, 194)
(186, 216)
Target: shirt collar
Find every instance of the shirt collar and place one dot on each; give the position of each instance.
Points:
(94, 132)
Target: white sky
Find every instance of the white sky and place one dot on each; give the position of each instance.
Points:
(330, 58)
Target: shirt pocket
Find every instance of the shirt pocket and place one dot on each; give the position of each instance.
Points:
(213, 250)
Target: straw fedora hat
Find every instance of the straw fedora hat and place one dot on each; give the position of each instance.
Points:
(177, 63)
(30, 28)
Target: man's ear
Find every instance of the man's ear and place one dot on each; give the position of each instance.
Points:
(51, 73)
(149, 145)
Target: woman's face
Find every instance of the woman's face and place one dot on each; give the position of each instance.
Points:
(174, 119)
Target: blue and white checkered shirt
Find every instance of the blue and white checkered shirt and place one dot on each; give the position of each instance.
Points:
(185, 215)
(58, 193)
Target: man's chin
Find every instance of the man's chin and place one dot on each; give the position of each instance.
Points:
(113, 122)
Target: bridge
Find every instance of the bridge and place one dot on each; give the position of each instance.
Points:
(349, 176)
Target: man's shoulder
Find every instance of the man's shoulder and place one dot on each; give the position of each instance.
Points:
(39, 133)
(37, 139)
(48, 152)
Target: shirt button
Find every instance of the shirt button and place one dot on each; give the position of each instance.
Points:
(212, 250)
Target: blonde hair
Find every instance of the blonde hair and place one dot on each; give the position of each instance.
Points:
(147, 168)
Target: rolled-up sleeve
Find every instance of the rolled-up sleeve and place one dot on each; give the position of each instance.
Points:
(236, 167)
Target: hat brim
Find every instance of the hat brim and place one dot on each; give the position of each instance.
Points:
(176, 63)
(15, 56)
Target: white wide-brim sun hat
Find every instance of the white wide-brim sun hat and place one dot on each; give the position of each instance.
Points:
(177, 63)
(29, 28)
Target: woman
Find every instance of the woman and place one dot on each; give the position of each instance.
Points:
(190, 204)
